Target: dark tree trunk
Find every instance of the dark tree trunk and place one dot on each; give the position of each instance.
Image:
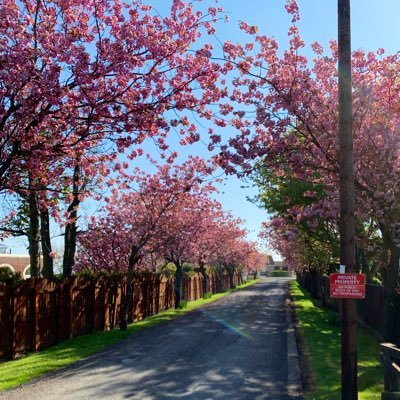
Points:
(47, 271)
(34, 234)
(362, 264)
(323, 292)
(71, 227)
(240, 276)
(202, 270)
(178, 283)
(134, 257)
(231, 272)
(69, 247)
(315, 283)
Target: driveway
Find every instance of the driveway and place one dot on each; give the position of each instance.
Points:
(241, 347)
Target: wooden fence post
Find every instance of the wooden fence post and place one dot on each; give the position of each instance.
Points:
(391, 359)
(35, 315)
(71, 306)
(145, 296)
(94, 310)
(112, 304)
(58, 312)
(157, 294)
(11, 327)
(106, 309)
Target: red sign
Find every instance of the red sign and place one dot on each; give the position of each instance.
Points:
(347, 286)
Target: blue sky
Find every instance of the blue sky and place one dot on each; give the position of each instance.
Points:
(374, 25)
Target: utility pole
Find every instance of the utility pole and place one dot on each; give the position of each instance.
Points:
(347, 225)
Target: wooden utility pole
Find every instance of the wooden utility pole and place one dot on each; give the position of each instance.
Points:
(347, 225)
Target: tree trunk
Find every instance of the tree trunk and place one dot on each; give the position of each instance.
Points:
(178, 283)
(47, 271)
(322, 288)
(231, 272)
(202, 270)
(69, 248)
(71, 227)
(34, 234)
(315, 283)
(362, 262)
(240, 276)
(133, 260)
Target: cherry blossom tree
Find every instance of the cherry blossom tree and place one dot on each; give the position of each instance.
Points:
(255, 262)
(82, 82)
(210, 237)
(232, 248)
(185, 234)
(295, 102)
(74, 74)
(139, 220)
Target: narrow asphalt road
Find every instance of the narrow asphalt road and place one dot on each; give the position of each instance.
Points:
(240, 347)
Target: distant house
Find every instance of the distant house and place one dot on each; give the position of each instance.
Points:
(267, 266)
(274, 265)
(263, 269)
(15, 262)
(280, 265)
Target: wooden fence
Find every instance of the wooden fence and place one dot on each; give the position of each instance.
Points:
(38, 313)
(391, 361)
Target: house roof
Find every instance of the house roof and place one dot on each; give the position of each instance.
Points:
(11, 256)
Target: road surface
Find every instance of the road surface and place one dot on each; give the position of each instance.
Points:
(241, 347)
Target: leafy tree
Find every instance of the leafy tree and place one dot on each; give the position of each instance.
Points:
(83, 82)
(295, 103)
(139, 221)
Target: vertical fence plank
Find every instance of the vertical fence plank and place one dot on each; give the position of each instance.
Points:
(57, 313)
(11, 327)
(6, 296)
(35, 314)
(93, 306)
(106, 299)
(71, 300)
(113, 304)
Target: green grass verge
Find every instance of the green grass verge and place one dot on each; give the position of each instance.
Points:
(17, 372)
(320, 332)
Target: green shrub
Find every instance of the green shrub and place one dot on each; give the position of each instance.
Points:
(376, 280)
(58, 278)
(279, 273)
(168, 269)
(87, 274)
(207, 295)
(8, 276)
(183, 304)
(188, 267)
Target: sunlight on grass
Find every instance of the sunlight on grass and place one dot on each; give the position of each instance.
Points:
(321, 333)
(17, 372)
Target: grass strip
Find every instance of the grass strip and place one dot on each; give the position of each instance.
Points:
(320, 332)
(16, 372)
